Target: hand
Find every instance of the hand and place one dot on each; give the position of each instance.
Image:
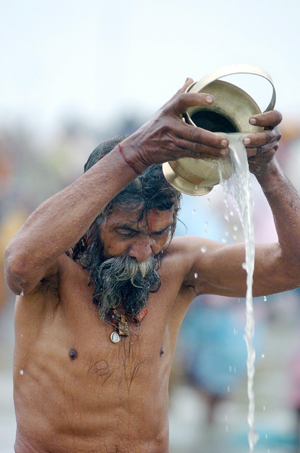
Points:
(167, 137)
(263, 145)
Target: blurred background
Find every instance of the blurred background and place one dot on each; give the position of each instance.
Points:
(75, 73)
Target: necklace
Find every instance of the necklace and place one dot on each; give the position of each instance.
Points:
(120, 324)
(121, 327)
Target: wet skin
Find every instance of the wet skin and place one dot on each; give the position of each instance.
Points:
(100, 396)
(75, 391)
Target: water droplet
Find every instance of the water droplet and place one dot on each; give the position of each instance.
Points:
(235, 227)
(205, 232)
(234, 237)
(264, 408)
(228, 389)
(224, 240)
(203, 249)
(230, 369)
(22, 294)
(196, 275)
(226, 233)
(196, 187)
(265, 298)
(21, 335)
(194, 211)
(266, 436)
(263, 356)
(244, 266)
(231, 213)
(205, 223)
(21, 372)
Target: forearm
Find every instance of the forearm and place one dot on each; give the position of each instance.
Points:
(285, 204)
(64, 218)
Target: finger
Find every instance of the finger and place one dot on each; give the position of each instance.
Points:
(183, 89)
(267, 119)
(196, 138)
(262, 151)
(187, 83)
(262, 138)
(183, 101)
(260, 154)
(198, 150)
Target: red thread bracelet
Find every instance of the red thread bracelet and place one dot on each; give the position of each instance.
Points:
(127, 160)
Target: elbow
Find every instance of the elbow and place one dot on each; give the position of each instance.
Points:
(15, 271)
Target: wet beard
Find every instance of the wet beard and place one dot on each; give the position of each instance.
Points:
(123, 280)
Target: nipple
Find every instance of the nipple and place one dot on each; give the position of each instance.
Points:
(73, 354)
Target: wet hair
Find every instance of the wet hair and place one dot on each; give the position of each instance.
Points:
(148, 191)
(123, 278)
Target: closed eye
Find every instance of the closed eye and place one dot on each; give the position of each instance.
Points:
(162, 232)
(126, 233)
(130, 232)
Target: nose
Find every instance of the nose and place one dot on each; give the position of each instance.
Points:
(142, 249)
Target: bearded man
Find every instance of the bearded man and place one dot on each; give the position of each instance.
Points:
(102, 287)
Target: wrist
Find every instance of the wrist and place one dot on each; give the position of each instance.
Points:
(130, 153)
(120, 147)
(260, 171)
(270, 177)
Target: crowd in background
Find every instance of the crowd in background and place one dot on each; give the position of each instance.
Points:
(211, 353)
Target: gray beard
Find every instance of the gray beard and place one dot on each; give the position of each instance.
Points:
(122, 281)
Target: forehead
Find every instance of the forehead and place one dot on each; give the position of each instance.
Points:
(153, 220)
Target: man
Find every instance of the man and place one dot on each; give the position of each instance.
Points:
(102, 287)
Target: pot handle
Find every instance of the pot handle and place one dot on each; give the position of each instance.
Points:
(196, 87)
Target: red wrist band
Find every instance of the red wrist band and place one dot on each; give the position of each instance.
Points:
(127, 160)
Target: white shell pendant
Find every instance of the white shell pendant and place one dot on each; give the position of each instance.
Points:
(115, 337)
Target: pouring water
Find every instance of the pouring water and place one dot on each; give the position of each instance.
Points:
(238, 187)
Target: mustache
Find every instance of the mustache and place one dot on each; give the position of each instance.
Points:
(128, 268)
(120, 280)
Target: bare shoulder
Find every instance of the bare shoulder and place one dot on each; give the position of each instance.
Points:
(188, 249)
(196, 256)
(182, 263)
(64, 273)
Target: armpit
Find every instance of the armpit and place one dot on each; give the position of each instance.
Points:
(49, 286)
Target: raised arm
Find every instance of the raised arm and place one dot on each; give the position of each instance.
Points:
(284, 263)
(63, 219)
(277, 266)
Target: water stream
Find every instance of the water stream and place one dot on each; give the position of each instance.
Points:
(238, 187)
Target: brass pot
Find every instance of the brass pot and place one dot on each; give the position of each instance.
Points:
(230, 113)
